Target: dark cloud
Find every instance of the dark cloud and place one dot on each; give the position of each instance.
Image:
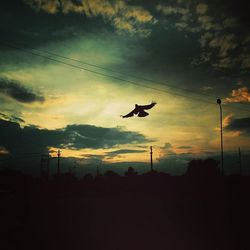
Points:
(126, 151)
(114, 153)
(11, 118)
(167, 149)
(30, 138)
(88, 136)
(167, 145)
(184, 147)
(110, 154)
(92, 160)
(241, 124)
(93, 156)
(18, 92)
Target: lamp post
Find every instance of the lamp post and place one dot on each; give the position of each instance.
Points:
(221, 137)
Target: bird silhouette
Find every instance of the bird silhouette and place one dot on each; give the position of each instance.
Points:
(139, 110)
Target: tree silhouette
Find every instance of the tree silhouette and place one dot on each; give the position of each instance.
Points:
(203, 168)
(130, 172)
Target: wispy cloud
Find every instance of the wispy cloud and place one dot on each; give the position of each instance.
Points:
(206, 88)
(218, 39)
(224, 44)
(122, 16)
(227, 120)
(201, 8)
(239, 95)
(169, 10)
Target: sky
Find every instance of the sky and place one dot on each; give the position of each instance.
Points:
(70, 68)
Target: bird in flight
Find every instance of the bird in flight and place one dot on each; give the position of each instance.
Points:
(139, 110)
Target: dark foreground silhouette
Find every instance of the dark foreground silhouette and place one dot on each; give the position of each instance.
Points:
(201, 210)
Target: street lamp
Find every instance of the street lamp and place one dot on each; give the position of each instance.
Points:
(221, 137)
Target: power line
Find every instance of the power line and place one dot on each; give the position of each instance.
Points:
(102, 74)
(19, 158)
(27, 157)
(115, 77)
(130, 75)
(203, 151)
(121, 73)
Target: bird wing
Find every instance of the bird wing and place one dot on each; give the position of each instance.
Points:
(133, 112)
(147, 106)
(142, 113)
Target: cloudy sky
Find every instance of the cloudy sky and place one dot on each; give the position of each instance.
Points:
(70, 68)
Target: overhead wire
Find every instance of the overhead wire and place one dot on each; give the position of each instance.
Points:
(188, 154)
(117, 78)
(99, 73)
(128, 74)
(114, 77)
(123, 73)
(120, 72)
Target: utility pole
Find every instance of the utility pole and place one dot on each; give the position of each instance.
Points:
(240, 162)
(151, 158)
(58, 161)
(221, 137)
